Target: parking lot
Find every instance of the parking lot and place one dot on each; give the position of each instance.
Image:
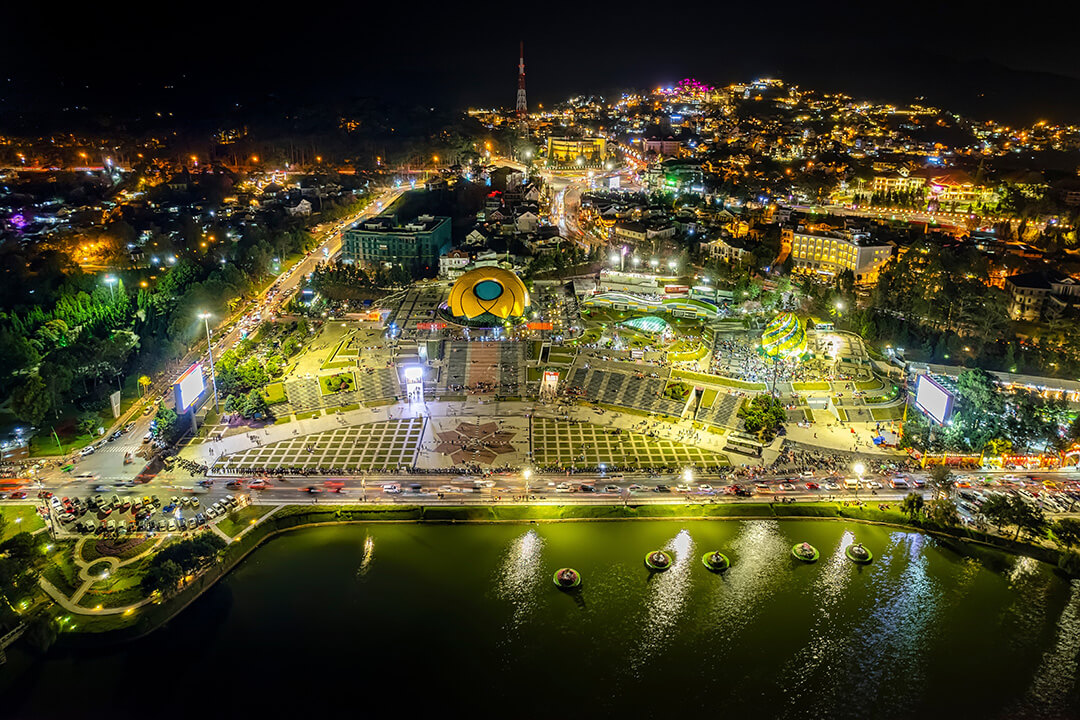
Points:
(116, 515)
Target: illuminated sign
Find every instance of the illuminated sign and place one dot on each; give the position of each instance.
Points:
(933, 399)
(188, 387)
(430, 326)
(539, 326)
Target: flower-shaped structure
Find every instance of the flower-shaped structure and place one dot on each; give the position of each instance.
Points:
(785, 336)
(490, 290)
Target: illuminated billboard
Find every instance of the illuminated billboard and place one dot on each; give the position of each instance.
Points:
(933, 399)
(188, 387)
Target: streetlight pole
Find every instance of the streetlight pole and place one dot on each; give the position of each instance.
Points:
(210, 351)
(111, 281)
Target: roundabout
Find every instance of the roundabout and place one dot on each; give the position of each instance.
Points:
(716, 561)
(658, 560)
(805, 552)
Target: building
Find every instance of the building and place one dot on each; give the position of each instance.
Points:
(668, 146)
(568, 150)
(630, 230)
(416, 245)
(491, 294)
(729, 249)
(1041, 295)
(832, 252)
(452, 264)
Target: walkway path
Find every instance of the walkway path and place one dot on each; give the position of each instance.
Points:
(72, 604)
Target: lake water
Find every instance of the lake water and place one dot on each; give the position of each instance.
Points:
(464, 621)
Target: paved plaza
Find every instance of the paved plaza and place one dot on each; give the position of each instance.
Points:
(374, 446)
(579, 444)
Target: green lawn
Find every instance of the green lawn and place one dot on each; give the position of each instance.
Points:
(718, 380)
(283, 420)
(244, 516)
(709, 397)
(62, 571)
(327, 389)
(20, 518)
(815, 385)
(274, 393)
(309, 415)
(868, 384)
(889, 413)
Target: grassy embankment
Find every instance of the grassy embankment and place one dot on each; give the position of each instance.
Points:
(147, 618)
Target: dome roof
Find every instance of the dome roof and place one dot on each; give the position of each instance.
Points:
(490, 290)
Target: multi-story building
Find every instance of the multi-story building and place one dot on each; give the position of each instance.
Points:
(1041, 295)
(452, 265)
(729, 249)
(416, 245)
(832, 252)
(567, 150)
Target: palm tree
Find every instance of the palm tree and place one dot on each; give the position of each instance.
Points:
(912, 505)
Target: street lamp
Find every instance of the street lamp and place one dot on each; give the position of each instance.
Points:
(205, 317)
(859, 469)
(526, 473)
(110, 281)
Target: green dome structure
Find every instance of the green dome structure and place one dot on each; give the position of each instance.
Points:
(784, 336)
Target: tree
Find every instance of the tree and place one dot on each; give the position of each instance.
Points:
(912, 505)
(1028, 518)
(764, 414)
(998, 510)
(943, 512)
(1066, 532)
(162, 577)
(30, 400)
(89, 422)
(166, 421)
(941, 477)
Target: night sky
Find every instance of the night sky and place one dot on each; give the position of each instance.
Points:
(1010, 65)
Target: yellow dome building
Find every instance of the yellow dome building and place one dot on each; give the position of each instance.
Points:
(491, 290)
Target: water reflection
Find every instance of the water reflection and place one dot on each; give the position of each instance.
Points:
(518, 577)
(665, 601)
(827, 641)
(1055, 679)
(758, 554)
(367, 557)
(894, 632)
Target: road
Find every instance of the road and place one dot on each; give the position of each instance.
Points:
(109, 458)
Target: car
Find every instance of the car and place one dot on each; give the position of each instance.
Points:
(190, 523)
(101, 488)
(812, 486)
(55, 503)
(200, 519)
(761, 485)
(172, 525)
(261, 485)
(234, 484)
(851, 483)
(611, 488)
(18, 495)
(146, 500)
(211, 513)
(125, 505)
(830, 485)
(88, 450)
(635, 487)
(194, 502)
(67, 517)
(105, 510)
(662, 489)
(807, 473)
(155, 500)
(963, 484)
(185, 501)
(786, 486)
(873, 485)
(683, 488)
(705, 488)
(584, 487)
(898, 484)
(562, 487)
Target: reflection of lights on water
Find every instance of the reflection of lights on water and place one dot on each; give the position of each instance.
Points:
(825, 644)
(518, 578)
(1054, 681)
(1021, 568)
(666, 600)
(368, 556)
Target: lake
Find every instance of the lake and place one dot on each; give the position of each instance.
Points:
(465, 621)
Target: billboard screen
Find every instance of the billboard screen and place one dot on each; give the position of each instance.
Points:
(933, 399)
(188, 387)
